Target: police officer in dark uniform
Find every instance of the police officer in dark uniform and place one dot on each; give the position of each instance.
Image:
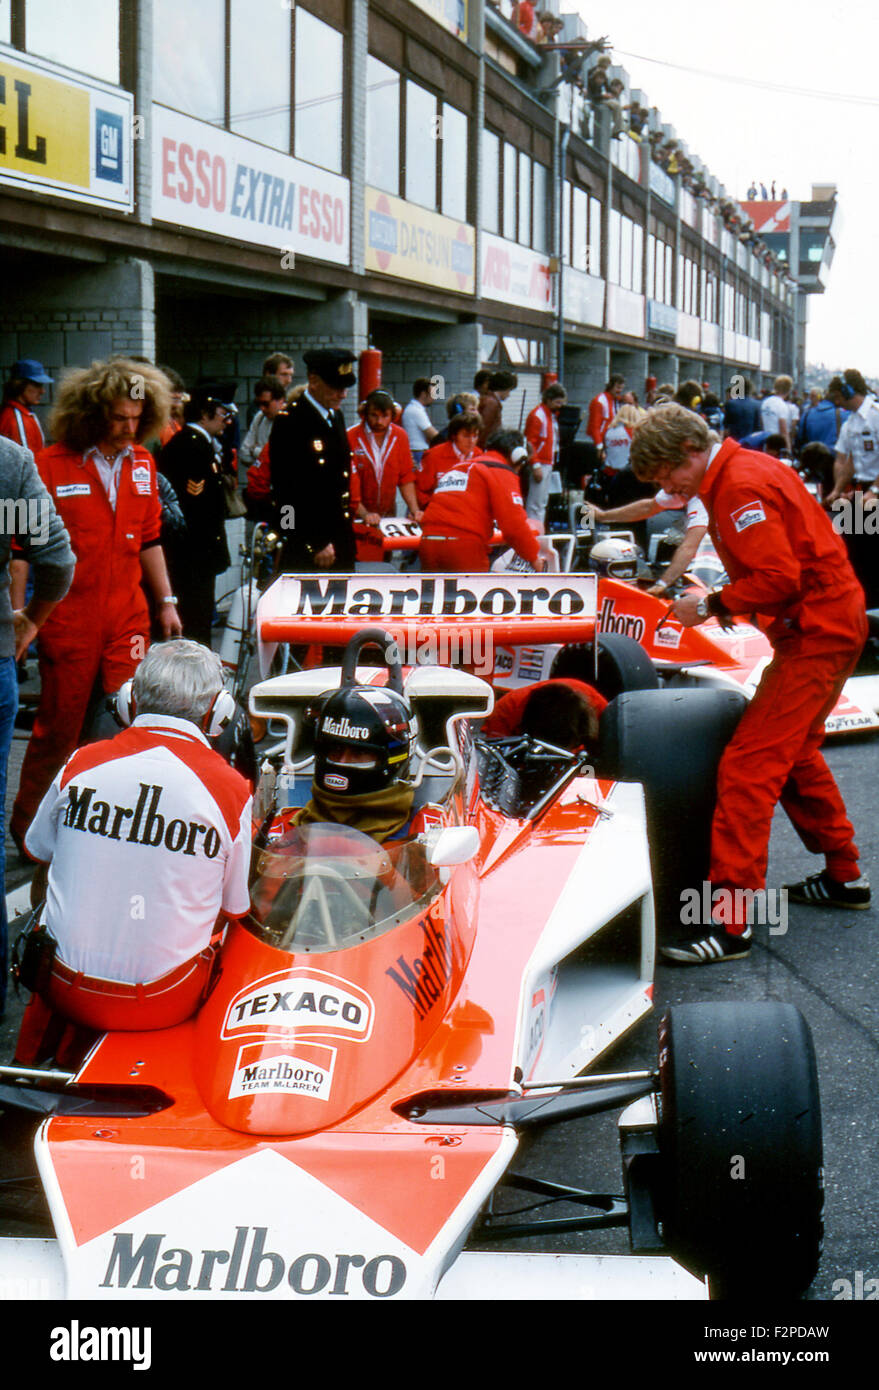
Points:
(192, 463)
(310, 461)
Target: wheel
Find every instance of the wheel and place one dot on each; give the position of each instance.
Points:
(671, 741)
(741, 1198)
(623, 665)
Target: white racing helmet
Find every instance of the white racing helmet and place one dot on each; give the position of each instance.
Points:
(615, 559)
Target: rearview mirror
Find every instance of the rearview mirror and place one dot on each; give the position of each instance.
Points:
(453, 844)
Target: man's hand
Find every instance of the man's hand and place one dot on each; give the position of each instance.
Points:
(372, 519)
(326, 557)
(24, 632)
(169, 621)
(416, 516)
(540, 564)
(658, 590)
(685, 608)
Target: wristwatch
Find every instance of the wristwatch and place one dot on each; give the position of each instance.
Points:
(170, 598)
(702, 608)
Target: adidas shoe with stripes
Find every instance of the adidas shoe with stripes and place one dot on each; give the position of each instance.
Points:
(820, 890)
(709, 950)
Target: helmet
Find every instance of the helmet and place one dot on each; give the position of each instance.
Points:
(615, 559)
(363, 740)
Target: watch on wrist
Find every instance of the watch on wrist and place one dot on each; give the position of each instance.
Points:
(702, 608)
(170, 598)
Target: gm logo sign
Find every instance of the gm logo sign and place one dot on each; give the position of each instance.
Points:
(108, 146)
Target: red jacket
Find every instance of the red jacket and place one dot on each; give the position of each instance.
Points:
(22, 426)
(377, 473)
(782, 555)
(471, 498)
(106, 597)
(438, 460)
(602, 409)
(541, 431)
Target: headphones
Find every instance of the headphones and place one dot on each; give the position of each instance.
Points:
(846, 391)
(520, 454)
(217, 717)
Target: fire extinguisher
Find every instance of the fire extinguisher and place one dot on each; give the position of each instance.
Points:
(370, 374)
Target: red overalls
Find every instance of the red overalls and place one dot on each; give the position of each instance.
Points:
(377, 472)
(459, 522)
(786, 563)
(101, 628)
(541, 432)
(22, 426)
(438, 460)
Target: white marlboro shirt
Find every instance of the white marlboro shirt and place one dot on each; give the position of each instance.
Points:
(148, 835)
(697, 514)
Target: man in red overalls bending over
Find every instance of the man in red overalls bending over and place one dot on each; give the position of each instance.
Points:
(103, 484)
(786, 563)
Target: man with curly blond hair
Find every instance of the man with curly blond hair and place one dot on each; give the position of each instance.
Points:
(103, 483)
(787, 565)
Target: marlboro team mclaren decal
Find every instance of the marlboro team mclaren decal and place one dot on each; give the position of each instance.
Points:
(300, 1001)
(479, 596)
(276, 1071)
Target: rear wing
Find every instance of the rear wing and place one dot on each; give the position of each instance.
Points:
(432, 617)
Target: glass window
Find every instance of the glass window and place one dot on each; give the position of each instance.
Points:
(259, 77)
(594, 266)
(651, 267)
(626, 253)
(637, 258)
(580, 258)
(189, 76)
(567, 203)
(5, 21)
(491, 181)
(540, 198)
(83, 36)
(382, 126)
(320, 55)
(510, 192)
(454, 132)
(524, 236)
(421, 139)
(613, 248)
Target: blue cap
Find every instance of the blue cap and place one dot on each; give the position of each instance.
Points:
(29, 369)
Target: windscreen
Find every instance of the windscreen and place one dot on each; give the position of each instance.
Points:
(330, 887)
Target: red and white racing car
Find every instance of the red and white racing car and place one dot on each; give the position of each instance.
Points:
(392, 1021)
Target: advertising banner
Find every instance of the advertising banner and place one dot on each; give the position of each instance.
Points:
(514, 274)
(216, 182)
(413, 243)
(60, 134)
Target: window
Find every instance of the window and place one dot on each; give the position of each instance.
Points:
(524, 237)
(259, 75)
(637, 258)
(187, 75)
(319, 83)
(540, 201)
(84, 35)
(613, 248)
(509, 192)
(421, 140)
(454, 163)
(595, 213)
(382, 126)
(580, 230)
(5, 21)
(491, 181)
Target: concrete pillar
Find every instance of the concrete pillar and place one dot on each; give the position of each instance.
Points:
(634, 366)
(587, 369)
(665, 367)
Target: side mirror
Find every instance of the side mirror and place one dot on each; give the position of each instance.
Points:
(453, 844)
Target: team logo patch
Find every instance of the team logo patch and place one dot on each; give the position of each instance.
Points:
(748, 515)
(300, 1001)
(73, 490)
(278, 1071)
(334, 782)
(140, 476)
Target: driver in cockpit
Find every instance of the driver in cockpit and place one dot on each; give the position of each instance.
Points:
(363, 744)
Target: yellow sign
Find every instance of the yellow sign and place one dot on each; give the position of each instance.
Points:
(412, 243)
(44, 126)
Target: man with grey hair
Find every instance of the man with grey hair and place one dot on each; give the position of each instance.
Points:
(144, 847)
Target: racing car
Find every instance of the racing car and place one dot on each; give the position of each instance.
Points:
(393, 1023)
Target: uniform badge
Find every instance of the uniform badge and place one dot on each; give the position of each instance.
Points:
(195, 489)
(317, 445)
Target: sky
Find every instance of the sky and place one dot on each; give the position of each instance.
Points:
(757, 128)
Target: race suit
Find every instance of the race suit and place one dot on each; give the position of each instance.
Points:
(785, 563)
(458, 525)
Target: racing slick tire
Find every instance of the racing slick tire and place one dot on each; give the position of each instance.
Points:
(671, 741)
(623, 665)
(741, 1196)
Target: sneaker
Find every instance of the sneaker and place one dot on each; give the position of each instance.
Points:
(820, 890)
(708, 950)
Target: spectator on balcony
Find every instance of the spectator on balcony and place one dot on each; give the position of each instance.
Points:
(523, 18)
(548, 27)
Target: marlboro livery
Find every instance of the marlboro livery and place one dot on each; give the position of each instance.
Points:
(391, 1019)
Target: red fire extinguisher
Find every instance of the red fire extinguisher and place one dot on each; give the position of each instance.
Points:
(369, 377)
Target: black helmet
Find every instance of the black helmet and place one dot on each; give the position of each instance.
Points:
(363, 737)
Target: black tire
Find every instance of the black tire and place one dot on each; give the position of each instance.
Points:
(671, 741)
(623, 665)
(741, 1198)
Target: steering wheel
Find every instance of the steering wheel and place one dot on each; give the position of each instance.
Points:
(314, 890)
